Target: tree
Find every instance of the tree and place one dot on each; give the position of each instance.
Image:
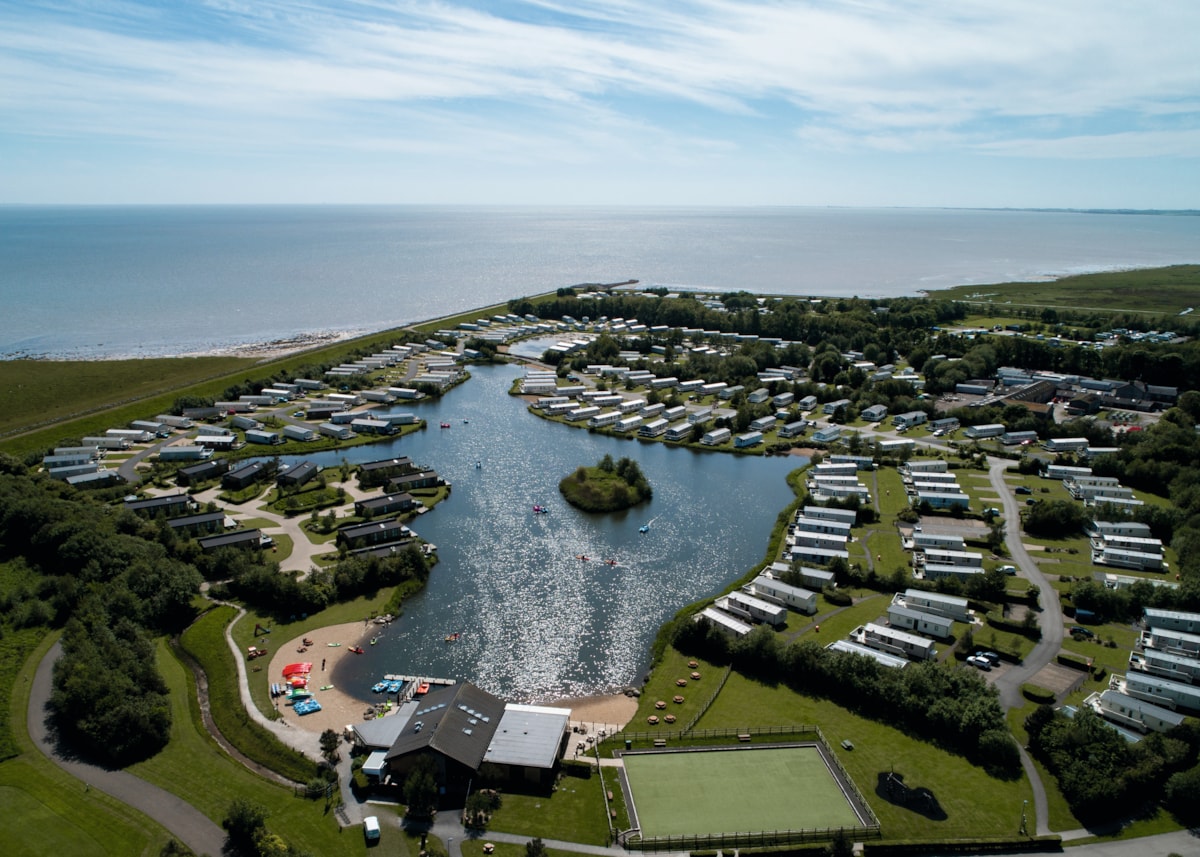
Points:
(535, 848)
(244, 822)
(329, 746)
(420, 789)
(606, 464)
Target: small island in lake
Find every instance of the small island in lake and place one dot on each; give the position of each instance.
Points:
(607, 487)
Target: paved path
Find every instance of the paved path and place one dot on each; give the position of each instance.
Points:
(186, 823)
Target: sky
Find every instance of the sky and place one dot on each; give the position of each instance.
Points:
(971, 103)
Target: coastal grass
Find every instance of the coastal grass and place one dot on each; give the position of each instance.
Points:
(204, 641)
(47, 809)
(975, 804)
(40, 392)
(735, 790)
(1152, 291)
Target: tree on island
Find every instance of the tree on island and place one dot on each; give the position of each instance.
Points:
(608, 487)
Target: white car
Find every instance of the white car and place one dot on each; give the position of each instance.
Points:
(979, 662)
(371, 828)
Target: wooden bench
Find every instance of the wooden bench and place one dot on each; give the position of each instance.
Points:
(660, 742)
(744, 738)
(610, 796)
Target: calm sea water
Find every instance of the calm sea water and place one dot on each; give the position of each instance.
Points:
(536, 621)
(146, 281)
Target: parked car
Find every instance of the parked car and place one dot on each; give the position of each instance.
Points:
(979, 662)
(1008, 569)
(1024, 489)
(1078, 632)
(991, 657)
(371, 828)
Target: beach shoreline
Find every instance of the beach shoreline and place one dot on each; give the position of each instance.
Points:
(607, 712)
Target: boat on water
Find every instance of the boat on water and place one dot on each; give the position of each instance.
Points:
(422, 689)
(445, 425)
(333, 645)
(358, 650)
(644, 528)
(582, 557)
(610, 562)
(379, 686)
(453, 638)
(539, 509)
(374, 640)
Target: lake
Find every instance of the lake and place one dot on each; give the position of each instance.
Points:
(537, 622)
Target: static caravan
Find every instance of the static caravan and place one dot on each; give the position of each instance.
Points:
(755, 609)
(945, 541)
(729, 392)
(605, 419)
(1062, 471)
(628, 406)
(299, 433)
(219, 442)
(808, 538)
(950, 606)
(1117, 528)
(762, 424)
(1012, 438)
(935, 465)
(338, 432)
(805, 524)
(692, 386)
(794, 597)
(578, 415)
(269, 438)
(849, 647)
(679, 412)
(627, 424)
(364, 425)
(728, 624)
(133, 435)
(680, 431)
(832, 407)
(717, 388)
(894, 642)
(1166, 665)
(308, 384)
(664, 383)
(654, 410)
(654, 428)
(943, 500)
(759, 396)
(793, 429)
(700, 416)
(862, 462)
(174, 421)
(828, 434)
(245, 423)
(816, 555)
(263, 401)
(1172, 620)
(71, 470)
(829, 513)
(986, 430)
(743, 441)
(404, 392)
(185, 452)
(52, 461)
(874, 413)
(948, 556)
(236, 407)
(838, 468)
(1133, 713)
(1065, 444)
(808, 403)
(783, 400)
(937, 571)
(547, 401)
(279, 394)
(1160, 691)
(1169, 640)
(910, 419)
(382, 397)
(910, 619)
(152, 426)
(716, 437)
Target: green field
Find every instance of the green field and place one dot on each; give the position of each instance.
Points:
(1153, 291)
(735, 791)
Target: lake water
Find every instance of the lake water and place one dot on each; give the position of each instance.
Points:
(88, 282)
(538, 623)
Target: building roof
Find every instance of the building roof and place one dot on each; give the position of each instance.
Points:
(225, 540)
(197, 520)
(369, 528)
(528, 735)
(458, 722)
(852, 648)
(380, 733)
(151, 503)
(385, 500)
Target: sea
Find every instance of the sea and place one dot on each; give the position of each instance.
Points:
(84, 282)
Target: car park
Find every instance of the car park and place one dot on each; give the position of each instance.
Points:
(979, 662)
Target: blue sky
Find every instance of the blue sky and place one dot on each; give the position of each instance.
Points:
(1068, 103)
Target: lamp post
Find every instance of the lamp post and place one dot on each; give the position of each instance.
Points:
(1024, 806)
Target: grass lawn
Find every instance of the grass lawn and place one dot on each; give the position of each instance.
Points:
(574, 812)
(194, 767)
(49, 810)
(729, 791)
(975, 804)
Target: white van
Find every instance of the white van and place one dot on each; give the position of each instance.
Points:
(371, 828)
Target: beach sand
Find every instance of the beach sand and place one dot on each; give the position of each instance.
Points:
(339, 709)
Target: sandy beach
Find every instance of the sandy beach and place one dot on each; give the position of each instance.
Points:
(339, 709)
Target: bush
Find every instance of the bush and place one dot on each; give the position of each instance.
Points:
(1040, 695)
